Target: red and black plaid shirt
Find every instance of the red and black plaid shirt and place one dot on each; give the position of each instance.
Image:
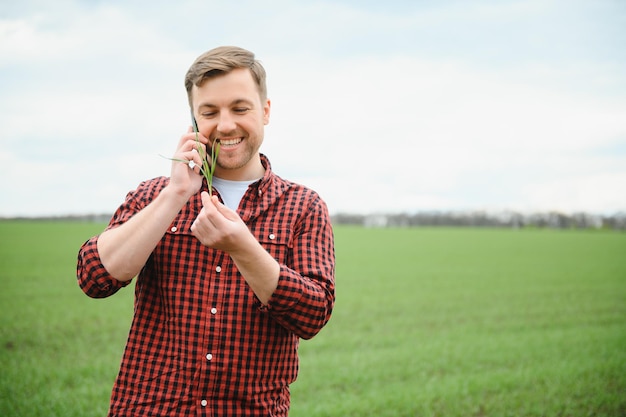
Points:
(201, 343)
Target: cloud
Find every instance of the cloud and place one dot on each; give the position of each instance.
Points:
(422, 132)
(448, 105)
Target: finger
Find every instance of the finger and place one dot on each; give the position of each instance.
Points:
(202, 220)
(209, 210)
(223, 209)
(197, 136)
(188, 141)
(206, 198)
(195, 147)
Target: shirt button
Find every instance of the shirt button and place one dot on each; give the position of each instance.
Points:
(209, 356)
(204, 403)
(173, 229)
(218, 269)
(272, 236)
(213, 310)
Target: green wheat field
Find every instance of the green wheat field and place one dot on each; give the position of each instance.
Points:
(428, 322)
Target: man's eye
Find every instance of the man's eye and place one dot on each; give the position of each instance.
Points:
(208, 114)
(241, 109)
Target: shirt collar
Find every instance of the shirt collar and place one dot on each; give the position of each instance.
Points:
(264, 183)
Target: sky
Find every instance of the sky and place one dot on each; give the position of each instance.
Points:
(395, 106)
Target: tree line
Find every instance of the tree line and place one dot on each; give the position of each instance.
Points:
(507, 219)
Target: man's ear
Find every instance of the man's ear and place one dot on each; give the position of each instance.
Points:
(266, 111)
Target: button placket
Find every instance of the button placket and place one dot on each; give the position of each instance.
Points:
(211, 322)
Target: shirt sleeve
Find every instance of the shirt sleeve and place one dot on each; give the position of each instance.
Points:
(304, 298)
(93, 278)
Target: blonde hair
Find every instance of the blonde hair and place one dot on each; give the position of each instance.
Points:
(220, 61)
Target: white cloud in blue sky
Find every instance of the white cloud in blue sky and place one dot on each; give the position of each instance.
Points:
(379, 106)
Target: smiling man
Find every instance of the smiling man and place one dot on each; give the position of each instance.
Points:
(228, 279)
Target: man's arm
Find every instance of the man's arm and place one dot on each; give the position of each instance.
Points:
(305, 296)
(300, 299)
(221, 228)
(125, 249)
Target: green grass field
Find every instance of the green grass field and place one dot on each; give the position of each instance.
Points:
(428, 322)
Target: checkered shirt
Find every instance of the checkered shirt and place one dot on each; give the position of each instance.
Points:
(201, 343)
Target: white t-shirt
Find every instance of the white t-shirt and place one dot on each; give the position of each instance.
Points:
(231, 191)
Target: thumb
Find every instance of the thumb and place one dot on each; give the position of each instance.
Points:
(206, 198)
(222, 209)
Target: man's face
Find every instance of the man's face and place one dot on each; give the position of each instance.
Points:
(229, 108)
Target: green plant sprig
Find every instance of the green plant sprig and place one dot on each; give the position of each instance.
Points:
(206, 169)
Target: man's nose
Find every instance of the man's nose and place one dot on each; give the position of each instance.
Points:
(226, 122)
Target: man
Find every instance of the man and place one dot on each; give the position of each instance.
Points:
(223, 293)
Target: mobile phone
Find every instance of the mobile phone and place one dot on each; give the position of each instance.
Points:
(209, 150)
(193, 122)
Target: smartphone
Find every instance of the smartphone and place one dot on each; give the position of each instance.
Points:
(193, 122)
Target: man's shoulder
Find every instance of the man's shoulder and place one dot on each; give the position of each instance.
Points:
(293, 186)
(155, 183)
(304, 195)
(148, 188)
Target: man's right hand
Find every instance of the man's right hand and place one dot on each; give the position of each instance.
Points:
(186, 181)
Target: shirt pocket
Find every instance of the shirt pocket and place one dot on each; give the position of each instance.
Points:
(177, 240)
(277, 241)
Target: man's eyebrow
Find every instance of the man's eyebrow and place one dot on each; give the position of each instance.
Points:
(232, 103)
(241, 101)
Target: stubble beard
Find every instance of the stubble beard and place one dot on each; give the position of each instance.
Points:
(240, 159)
